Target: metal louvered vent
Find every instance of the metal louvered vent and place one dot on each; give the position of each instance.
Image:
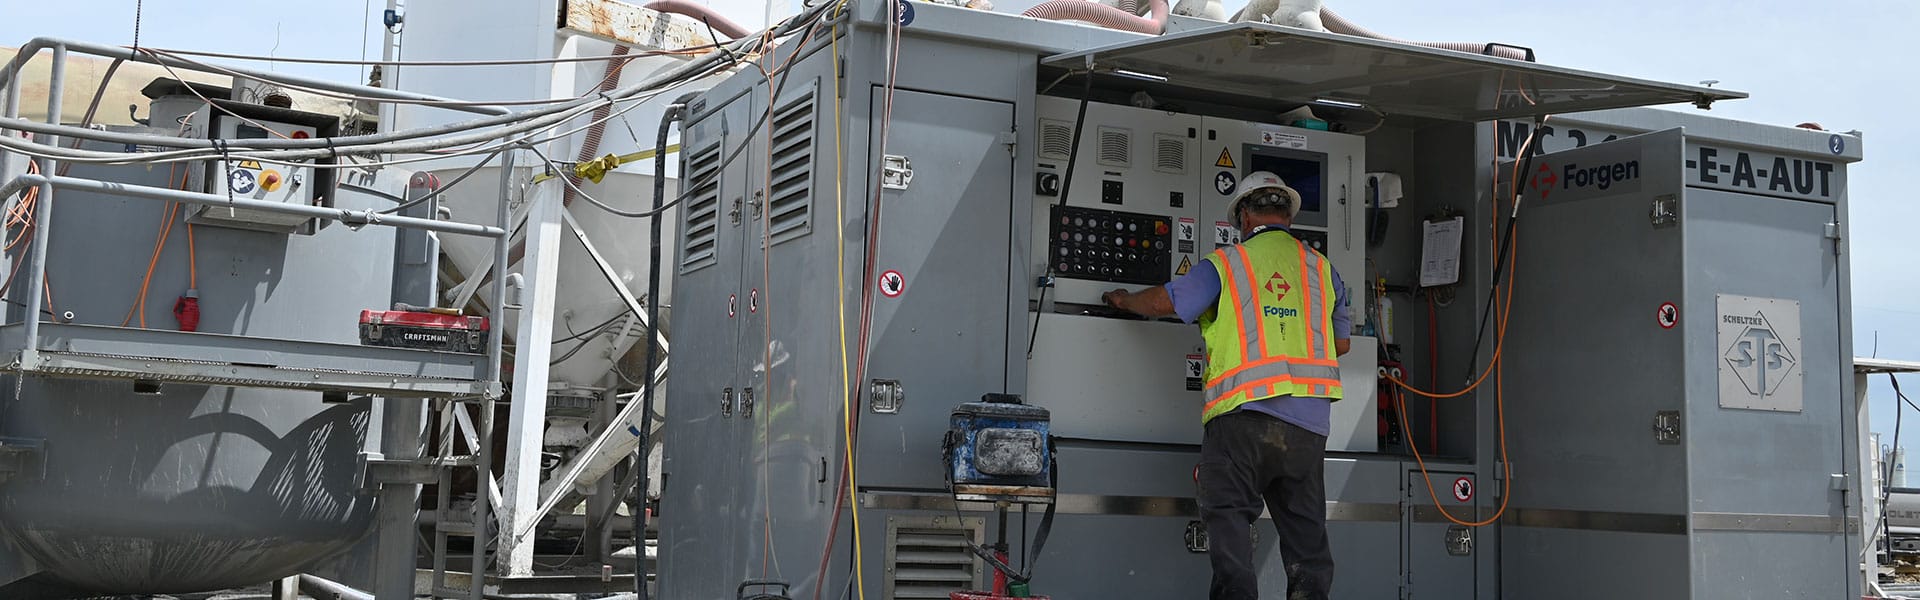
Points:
(1169, 154)
(790, 188)
(1056, 139)
(930, 558)
(1116, 146)
(700, 224)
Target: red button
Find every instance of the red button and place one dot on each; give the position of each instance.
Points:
(1159, 227)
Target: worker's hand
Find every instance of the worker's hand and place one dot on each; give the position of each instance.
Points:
(1115, 298)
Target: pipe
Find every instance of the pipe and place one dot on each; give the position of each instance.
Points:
(153, 193)
(1103, 15)
(42, 211)
(323, 589)
(1338, 24)
(34, 46)
(702, 13)
(675, 112)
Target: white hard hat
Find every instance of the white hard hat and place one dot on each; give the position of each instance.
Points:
(1263, 181)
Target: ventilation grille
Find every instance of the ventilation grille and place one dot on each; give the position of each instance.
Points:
(1056, 139)
(790, 190)
(700, 228)
(930, 561)
(1116, 146)
(1169, 154)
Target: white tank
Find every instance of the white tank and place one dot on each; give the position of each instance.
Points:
(512, 29)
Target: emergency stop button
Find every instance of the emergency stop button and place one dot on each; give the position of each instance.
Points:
(270, 180)
(1160, 228)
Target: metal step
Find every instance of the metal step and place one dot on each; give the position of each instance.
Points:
(99, 352)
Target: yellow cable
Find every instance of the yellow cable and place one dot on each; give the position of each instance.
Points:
(597, 168)
(840, 312)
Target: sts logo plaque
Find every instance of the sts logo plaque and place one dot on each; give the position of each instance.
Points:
(1760, 354)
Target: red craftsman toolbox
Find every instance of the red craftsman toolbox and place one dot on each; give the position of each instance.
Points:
(423, 330)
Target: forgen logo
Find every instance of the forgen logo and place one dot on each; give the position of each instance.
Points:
(1758, 356)
(1277, 288)
(1576, 176)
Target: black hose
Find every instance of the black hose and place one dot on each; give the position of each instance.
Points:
(675, 112)
(1501, 258)
(1066, 185)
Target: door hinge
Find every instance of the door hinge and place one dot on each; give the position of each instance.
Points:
(746, 403)
(726, 403)
(1833, 233)
(1011, 141)
(733, 214)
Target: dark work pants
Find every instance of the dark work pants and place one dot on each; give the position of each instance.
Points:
(1249, 460)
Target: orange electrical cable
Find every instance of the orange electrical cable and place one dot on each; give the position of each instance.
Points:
(193, 261)
(159, 245)
(1504, 309)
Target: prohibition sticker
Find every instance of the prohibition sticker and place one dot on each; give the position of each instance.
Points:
(892, 283)
(733, 301)
(1463, 489)
(1196, 368)
(1669, 315)
(753, 301)
(1185, 232)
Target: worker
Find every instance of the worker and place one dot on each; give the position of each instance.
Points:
(1274, 316)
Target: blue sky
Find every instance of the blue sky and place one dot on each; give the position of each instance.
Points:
(1843, 63)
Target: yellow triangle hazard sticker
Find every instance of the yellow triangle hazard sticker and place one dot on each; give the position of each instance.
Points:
(248, 164)
(1226, 159)
(1186, 263)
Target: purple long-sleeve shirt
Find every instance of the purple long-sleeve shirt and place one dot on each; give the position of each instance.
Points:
(1199, 290)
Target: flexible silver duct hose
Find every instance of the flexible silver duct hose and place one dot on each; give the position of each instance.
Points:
(1103, 15)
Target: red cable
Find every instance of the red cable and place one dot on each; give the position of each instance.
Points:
(1433, 377)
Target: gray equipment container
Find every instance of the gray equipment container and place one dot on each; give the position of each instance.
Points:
(193, 487)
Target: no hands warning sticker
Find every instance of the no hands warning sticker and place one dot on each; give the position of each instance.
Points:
(1463, 489)
(1668, 316)
(1196, 368)
(892, 283)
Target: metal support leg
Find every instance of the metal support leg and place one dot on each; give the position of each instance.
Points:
(520, 475)
(400, 439)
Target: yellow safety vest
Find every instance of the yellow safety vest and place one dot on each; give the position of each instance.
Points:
(1270, 334)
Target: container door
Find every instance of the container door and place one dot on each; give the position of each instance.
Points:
(1599, 494)
(699, 517)
(1438, 552)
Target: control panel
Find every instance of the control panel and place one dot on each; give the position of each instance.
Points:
(1148, 201)
(253, 180)
(1105, 245)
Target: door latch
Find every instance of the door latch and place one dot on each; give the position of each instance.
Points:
(1196, 537)
(1666, 427)
(1665, 211)
(887, 396)
(1459, 541)
(896, 172)
(726, 403)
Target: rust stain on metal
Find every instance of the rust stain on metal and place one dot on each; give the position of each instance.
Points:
(632, 25)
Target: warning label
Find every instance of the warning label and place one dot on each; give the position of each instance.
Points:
(1224, 234)
(1196, 371)
(1185, 233)
(1226, 159)
(1463, 489)
(1283, 139)
(1186, 264)
(248, 164)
